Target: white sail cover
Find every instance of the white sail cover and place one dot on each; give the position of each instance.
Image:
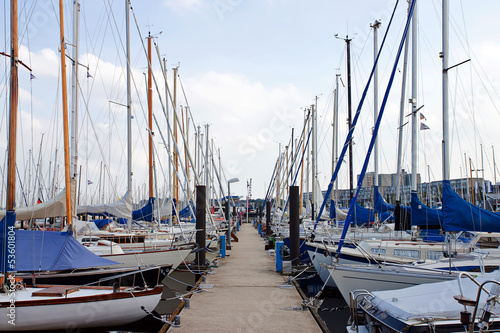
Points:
(54, 207)
(83, 227)
(121, 208)
(341, 216)
(165, 208)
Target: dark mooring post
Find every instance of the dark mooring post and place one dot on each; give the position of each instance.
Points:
(397, 216)
(268, 218)
(201, 220)
(294, 225)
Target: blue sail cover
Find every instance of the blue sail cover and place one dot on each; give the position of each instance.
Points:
(104, 222)
(460, 215)
(381, 206)
(51, 251)
(333, 212)
(364, 215)
(7, 224)
(186, 212)
(145, 213)
(424, 216)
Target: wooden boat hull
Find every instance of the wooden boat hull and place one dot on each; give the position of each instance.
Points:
(86, 308)
(128, 276)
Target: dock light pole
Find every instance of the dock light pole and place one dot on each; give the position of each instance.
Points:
(233, 180)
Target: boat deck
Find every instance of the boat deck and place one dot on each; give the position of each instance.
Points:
(246, 296)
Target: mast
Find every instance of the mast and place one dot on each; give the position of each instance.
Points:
(308, 155)
(74, 97)
(176, 156)
(13, 102)
(349, 115)
(65, 117)
(494, 166)
(129, 104)
(186, 147)
(314, 154)
(150, 119)
(207, 162)
(129, 109)
(401, 122)
(168, 139)
(414, 91)
(375, 26)
(302, 165)
(335, 136)
(10, 220)
(444, 56)
(483, 185)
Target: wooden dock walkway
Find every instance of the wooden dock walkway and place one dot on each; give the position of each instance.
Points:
(246, 296)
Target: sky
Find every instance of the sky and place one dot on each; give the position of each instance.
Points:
(248, 70)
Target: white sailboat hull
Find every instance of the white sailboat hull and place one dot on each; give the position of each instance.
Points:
(373, 278)
(82, 309)
(320, 261)
(149, 258)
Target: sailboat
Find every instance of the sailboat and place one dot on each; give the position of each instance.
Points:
(33, 308)
(467, 304)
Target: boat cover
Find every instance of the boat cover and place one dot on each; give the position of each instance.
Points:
(54, 207)
(460, 215)
(424, 216)
(121, 208)
(429, 300)
(51, 251)
(145, 213)
(381, 206)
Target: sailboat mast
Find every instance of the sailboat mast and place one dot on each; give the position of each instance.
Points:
(302, 165)
(129, 103)
(375, 26)
(207, 162)
(444, 56)
(150, 120)
(414, 91)
(13, 101)
(65, 117)
(176, 156)
(314, 160)
(401, 121)
(74, 97)
(494, 166)
(349, 116)
(335, 130)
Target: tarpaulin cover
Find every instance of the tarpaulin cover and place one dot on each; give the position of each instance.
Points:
(424, 216)
(54, 207)
(121, 208)
(102, 222)
(364, 215)
(51, 251)
(145, 213)
(460, 215)
(381, 206)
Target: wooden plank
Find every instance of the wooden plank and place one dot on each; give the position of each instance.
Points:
(57, 291)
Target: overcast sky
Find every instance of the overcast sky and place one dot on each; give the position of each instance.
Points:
(249, 68)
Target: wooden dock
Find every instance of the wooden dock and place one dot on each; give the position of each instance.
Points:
(246, 295)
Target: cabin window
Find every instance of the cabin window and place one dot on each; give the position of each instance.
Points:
(434, 255)
(407, 253)
(377, 250)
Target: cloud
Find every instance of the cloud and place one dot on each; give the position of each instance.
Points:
(42, 62)
(248, 119)
(184, 4)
